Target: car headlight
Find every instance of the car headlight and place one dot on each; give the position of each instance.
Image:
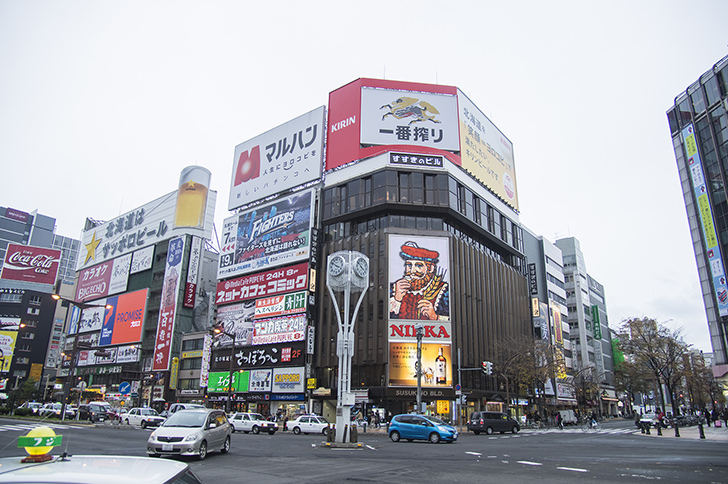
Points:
(192, 437)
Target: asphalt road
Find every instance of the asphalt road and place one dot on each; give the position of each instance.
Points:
(616, 454)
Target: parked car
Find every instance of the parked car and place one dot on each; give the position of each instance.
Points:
(96, 412)
(54, 410)
(309, 424)
(490, 422)
(32, 406)
(191, 432)
(176, 407)
(92, 469)
(649, 419)
(143, 416)
(421, 427)
(252, 422)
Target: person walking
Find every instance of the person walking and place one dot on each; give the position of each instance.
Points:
(559, 420)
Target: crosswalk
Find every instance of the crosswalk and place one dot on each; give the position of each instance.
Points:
(31, 426)
(578, 430)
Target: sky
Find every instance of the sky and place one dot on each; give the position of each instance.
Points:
(103, 103)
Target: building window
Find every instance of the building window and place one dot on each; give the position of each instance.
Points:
(193, 344)
(33, 311)
(27, 335)
(11, 298)
(34, 300)
(188, 384)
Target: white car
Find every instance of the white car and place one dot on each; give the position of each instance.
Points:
(252, 422)
(143, 416)
(310, 424)
(32, 406)
(54, 410)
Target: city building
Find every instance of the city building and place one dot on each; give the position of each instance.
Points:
(699, 128)
(144, 279)
(25, 294)
(549, 312)
(420, 183)
(591, 340)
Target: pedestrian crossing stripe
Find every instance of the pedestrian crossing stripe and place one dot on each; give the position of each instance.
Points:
(22, 427)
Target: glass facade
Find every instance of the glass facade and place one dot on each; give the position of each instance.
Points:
(703, 107)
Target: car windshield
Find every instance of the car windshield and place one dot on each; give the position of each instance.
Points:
(186, 419)
(256, 416)
(436, 421)
(149, 411)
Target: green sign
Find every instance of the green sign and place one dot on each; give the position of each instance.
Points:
(39, 441)
(218, 381)
(595, 321)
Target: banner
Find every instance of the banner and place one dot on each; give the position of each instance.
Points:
(192, 271)
(277, 281)
(170, 294)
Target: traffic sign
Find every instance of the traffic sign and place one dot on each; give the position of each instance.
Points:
(125, 388)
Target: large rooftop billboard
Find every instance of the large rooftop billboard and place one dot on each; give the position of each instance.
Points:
(371, 116)
(31, 264)
(282, 158)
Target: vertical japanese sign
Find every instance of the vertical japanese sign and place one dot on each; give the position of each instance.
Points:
(192, 271)
(170, 294)
(712, 247)
(206, 354)
(558, 335)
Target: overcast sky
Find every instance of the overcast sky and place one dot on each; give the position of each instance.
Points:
(103, 103)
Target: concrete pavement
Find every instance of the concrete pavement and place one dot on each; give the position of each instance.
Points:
(692, 432)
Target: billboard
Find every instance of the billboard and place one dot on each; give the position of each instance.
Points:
(280, 305)
(351, 121)
(142, 260)
(279, 159)
(7, 348)
(271, 235)
(147, 225)
(236, 319)
(485, 152)
(31, 264)
(419, 295)
(168, 304)
(404, 117)
(124, 322)
(262, 284)
(419, 277)
(261, 356)
(219, 381)
(289, 380)
(707, 221)
(279, 330)
(192, 271)
(101, 280)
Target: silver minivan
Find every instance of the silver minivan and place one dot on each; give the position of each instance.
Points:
(191, 432)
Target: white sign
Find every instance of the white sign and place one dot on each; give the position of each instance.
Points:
(289, 380)
(142, 259)
(393, 117)
(277, 160)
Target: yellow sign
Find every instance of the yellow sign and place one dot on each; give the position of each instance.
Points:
(311, 383)
(535, 307)
(174, 374)
(443, 407)
(192, 354)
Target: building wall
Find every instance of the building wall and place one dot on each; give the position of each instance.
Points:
(703, 106)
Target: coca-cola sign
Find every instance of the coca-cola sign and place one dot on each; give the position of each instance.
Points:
(31, 264)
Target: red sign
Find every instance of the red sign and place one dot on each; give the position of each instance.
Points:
(31, 264)
(93, 283)
(13, 214)
(123, 323)
(269, 283)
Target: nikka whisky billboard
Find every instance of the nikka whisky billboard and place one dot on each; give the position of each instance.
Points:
(419, 284)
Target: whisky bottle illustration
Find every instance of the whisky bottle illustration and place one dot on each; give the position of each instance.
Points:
(440, 369)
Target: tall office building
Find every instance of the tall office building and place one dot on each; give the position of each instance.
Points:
(699, 128)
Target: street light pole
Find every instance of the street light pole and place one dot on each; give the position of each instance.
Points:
(420, 333)
(220, 329)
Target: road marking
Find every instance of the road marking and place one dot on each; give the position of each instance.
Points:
(529, 463)
(574, 469)
(370, 447)
(474, 453)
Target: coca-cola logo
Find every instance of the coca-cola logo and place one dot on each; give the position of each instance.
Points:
(40, 263)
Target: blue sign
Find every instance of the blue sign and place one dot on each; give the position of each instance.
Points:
(125, 388)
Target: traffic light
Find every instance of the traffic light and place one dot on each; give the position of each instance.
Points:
(487, 367)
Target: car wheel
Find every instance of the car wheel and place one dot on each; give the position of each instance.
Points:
(272, 432)
(256, 430)
(325, 431)
(127, 421)
(203, 450)
(435, 438)
(476, 432)
(232, 429)
(297, 430)
(514, 430)
(394, 435)
(489, 431)
(144, 424)
(226, 447)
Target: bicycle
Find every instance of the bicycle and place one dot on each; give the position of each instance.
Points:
(540, 425)
(591, 424)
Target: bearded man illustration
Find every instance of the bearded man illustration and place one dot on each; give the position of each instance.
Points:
(422, 293)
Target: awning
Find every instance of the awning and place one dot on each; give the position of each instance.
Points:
(607, 399)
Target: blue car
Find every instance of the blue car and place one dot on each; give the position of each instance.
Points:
(421, 427)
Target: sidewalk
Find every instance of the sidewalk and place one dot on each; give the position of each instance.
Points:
(693, 432)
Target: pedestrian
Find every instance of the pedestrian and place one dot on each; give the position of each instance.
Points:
(706, 414)
(559, 420)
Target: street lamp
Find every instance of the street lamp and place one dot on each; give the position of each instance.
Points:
(77, 346)
(420, 334)
(220, 329)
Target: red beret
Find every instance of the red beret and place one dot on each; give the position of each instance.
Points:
(410, 250)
